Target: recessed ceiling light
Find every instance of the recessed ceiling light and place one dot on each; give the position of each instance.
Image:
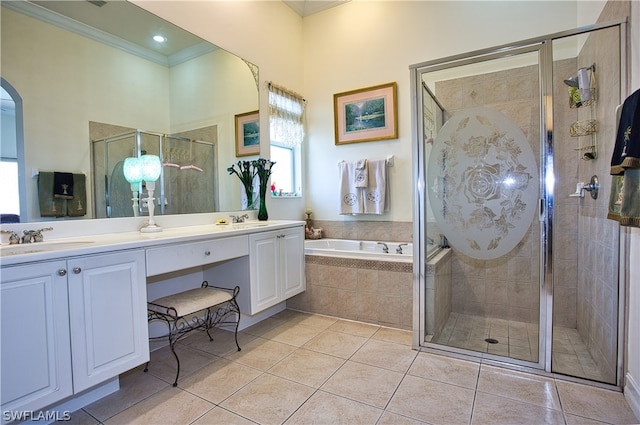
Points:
(159, 38)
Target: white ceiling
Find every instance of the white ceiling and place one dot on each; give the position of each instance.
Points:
(125, 20)
(309, 7)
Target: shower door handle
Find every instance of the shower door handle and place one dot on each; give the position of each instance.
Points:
(541, 211)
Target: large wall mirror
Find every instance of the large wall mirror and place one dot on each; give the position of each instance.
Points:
(94, 82)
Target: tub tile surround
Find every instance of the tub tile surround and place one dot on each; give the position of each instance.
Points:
(377, 292)
(392, 231)
(309, 386)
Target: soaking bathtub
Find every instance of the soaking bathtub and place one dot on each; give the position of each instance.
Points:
(365, 250)
(357, 280)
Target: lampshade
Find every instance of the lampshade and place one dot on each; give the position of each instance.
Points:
(132, 170)
(151, 167)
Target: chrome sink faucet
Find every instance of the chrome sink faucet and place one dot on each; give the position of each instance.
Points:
(29, 236)
(239, 218)
(399, 248)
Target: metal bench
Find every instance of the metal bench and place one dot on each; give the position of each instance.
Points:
(195, 309)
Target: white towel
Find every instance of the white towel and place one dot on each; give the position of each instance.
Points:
(351, 197)
(361, 173)
(376, 197)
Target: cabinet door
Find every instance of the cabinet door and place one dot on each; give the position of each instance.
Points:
(291, 252)
(108, 311)
(265, 290)
(36, 355)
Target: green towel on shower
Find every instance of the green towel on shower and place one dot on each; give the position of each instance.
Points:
(49, 206)
(77, 207)
(630, 205)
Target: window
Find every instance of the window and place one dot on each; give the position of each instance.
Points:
(10, 199)
(286, 124)
(283, 176)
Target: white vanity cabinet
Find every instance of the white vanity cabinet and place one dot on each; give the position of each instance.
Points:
(70, 325)
(277, 267)
(108, 316)
(36, 348)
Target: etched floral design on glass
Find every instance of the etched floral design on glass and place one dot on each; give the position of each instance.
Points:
(482, 181)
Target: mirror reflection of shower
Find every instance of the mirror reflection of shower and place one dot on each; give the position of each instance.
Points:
(187, 183)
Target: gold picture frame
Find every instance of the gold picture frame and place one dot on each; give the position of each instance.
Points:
(247, 127)
(366, 115)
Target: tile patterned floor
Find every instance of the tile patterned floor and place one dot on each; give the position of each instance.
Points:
(298, 368)
(520, 340)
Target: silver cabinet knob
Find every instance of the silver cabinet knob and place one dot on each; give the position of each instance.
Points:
(62, 272)
(77, 270)
(207, 253)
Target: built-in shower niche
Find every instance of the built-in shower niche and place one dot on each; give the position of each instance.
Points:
(187, 184)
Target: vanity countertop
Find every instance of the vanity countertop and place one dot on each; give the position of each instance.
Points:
(63, 248)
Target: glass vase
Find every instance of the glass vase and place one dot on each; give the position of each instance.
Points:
(248, 191)
(262, 211)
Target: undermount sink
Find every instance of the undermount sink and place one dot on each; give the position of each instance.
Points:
(31, 248)
(249, 225)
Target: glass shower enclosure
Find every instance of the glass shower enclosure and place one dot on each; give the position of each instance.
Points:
(527, 270)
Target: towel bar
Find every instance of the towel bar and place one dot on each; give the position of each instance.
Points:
(389, 160)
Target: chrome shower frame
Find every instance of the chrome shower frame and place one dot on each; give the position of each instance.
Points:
(544, 46)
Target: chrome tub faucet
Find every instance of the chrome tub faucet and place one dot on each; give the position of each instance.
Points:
(385, 247)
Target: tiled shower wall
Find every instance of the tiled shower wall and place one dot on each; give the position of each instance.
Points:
(566, 161)
(598, 254)
(438, 293)
(508, 287)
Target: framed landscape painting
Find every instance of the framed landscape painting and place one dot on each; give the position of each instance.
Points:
(248, 134)
(365, 115)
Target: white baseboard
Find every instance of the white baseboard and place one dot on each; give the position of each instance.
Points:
(632, 394)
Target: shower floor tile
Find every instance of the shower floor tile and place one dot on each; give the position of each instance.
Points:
(520, 341)
(487, 335)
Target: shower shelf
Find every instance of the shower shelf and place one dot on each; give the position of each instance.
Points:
(583, 128)
(582, 104)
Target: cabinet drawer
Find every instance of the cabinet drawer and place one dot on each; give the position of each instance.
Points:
(167, 259)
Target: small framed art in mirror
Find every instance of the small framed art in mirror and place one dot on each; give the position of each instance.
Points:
(248, 134)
